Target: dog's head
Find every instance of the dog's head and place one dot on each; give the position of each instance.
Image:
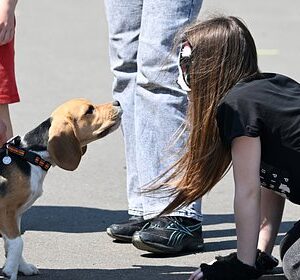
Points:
(75, 124)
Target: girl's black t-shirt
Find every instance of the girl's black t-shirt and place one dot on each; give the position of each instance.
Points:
(268, 106)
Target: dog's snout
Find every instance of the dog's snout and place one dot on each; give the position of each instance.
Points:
(116, 103)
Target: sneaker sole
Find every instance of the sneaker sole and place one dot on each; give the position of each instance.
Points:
(122, 238)
(160, 249)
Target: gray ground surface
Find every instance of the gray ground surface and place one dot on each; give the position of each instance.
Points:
(62, 53)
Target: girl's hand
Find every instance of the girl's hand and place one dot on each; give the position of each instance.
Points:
(197, 275)
(226, 268)
(7, 20)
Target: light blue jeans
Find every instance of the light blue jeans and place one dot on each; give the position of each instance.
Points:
(141, 34)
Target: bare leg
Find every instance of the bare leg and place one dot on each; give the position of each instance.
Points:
(5, 124)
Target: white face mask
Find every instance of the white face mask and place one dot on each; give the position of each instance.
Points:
(183, 66)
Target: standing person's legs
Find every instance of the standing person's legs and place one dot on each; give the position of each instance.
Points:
(124, 22)
(5, 126)
(8, 88)
(160, 111)
(3, 129)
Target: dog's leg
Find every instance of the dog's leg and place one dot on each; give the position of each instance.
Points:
(13, 245)
(13, 249)
(27, 268)
(24, 267)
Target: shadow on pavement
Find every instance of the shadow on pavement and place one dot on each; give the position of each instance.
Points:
(82, 219)
(218, 245)
(214, 219)
(85, 220)
(135, 272)
(70, 219)
(277, 274)
(273, 277)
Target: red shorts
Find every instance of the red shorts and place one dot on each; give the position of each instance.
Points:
(8, 86)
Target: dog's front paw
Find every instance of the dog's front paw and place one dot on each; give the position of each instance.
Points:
(28, 269)
(9, 273)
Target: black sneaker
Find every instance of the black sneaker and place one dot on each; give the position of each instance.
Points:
(124, 231)
(170, 235)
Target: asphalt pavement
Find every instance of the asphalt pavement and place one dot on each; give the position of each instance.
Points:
(62, 53)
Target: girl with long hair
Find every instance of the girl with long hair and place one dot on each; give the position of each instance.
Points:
(241, 117)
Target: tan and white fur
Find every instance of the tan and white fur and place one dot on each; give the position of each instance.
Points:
(60, 140)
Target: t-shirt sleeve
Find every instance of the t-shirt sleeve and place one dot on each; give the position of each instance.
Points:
(237, 118)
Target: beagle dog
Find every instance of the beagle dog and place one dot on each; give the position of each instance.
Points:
(60, 140)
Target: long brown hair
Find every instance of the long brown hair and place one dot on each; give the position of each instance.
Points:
(223, 53)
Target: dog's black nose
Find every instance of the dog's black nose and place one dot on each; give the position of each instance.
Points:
(116, 103)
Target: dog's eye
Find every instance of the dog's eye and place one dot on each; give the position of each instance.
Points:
(90, 110)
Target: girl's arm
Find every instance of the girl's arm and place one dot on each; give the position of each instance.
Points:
(272, 206)
(7, 20)
(246, 158)
(246, 155)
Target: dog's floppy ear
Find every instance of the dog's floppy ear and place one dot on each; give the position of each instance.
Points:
(63, 146)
